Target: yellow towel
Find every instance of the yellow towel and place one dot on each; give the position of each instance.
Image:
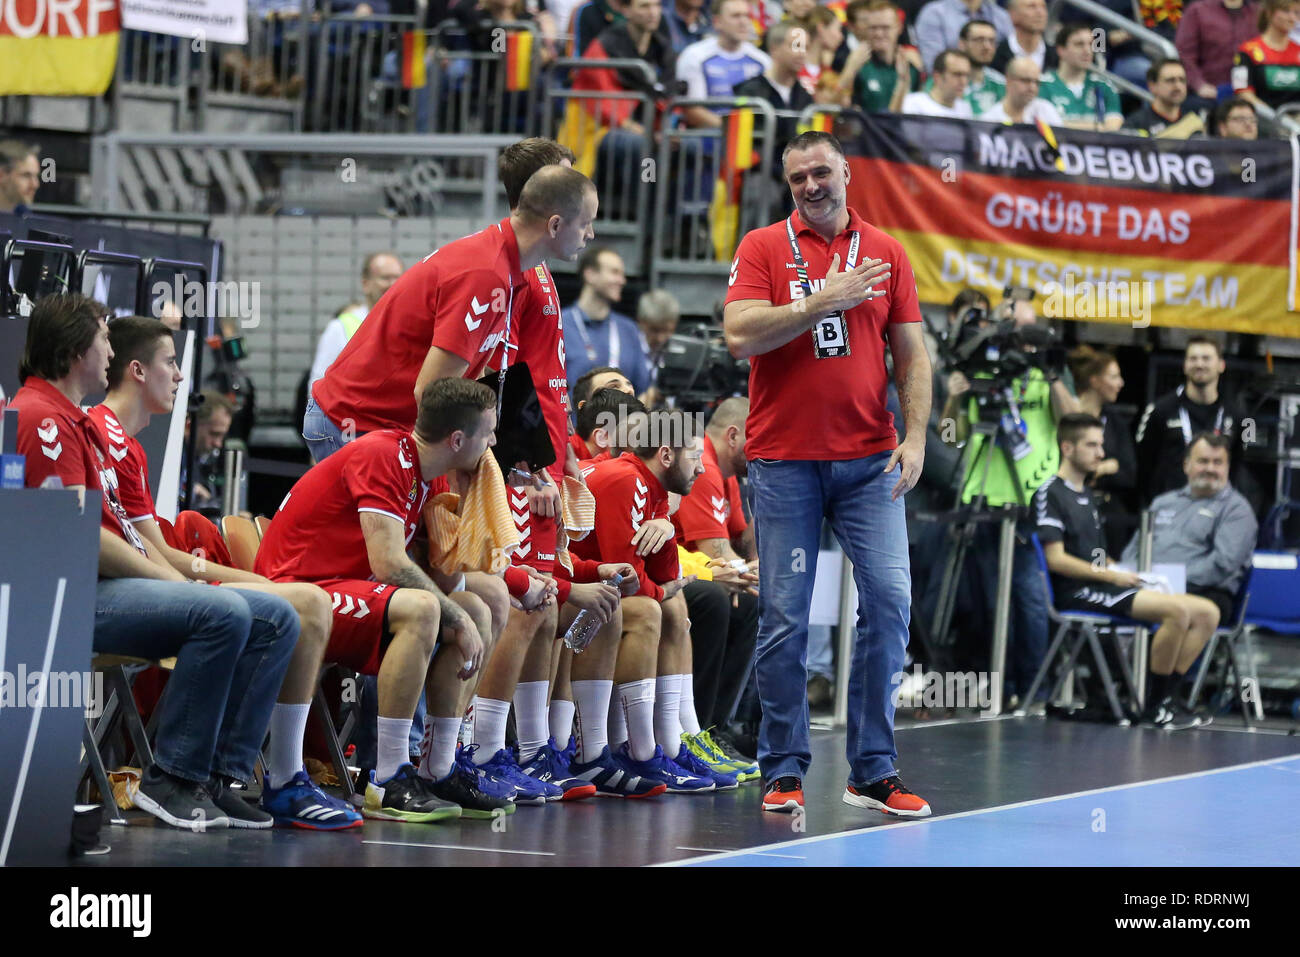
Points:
(694, 563)
(577, 518)
(476, 533)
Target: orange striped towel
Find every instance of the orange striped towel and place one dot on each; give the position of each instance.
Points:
(578, 517)
(475, 532)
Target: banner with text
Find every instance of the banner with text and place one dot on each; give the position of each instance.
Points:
(1107, 228)
(217, 21)
(50, 48)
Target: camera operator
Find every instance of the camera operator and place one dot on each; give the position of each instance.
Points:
(1004, 371)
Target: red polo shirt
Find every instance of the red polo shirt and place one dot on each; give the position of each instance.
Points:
(802, 407)
(459, 299)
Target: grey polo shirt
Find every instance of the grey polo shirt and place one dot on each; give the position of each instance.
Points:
(1213, 537)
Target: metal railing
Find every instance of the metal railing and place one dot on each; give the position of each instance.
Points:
(268, 74)
(357, 75)
(469, 90)
(1118, 21)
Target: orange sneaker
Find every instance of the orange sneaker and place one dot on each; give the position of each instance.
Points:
(888, 796)
(785, 794)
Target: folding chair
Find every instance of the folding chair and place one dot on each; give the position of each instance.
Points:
(243, 540)
(263, 523)
(120, 672)
(1233, 671)
(1080, 627)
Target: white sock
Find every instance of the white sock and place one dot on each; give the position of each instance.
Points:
(686, 711)
(591, 704)
(561, 720)
(438, 749)
(531, 718)
(288, 725)
(668, 724)
(467, 723)
(617, 723)
(638, 699)
(489, 728)
(394, 746)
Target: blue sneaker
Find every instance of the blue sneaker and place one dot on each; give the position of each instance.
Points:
(489, 785)
(666, 771)
(504, 767)
(551, 766)
(691, 764)
(613, 778)
(300, 803)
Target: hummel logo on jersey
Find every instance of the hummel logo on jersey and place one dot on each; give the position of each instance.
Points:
(118, 453)
(53, 453)
(639, 500)
(640, 486)
(361, 608)
(47, 435)
(473, 324)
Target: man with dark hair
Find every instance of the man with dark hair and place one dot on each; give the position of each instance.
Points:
(602, 420)
(595, 334)
(823, 347)
(1235, 118)
(663, 457)
(947, 95)
(1084, 577)
(142, 381)
(445, 315)
(1169, 424)
(1207, 526)
(378, 273)
(1167, 81)
(987, 87)
(1085, 100)
(593, 380)
(881, 71)
(20, 176)
(346, 526)
(231, 646)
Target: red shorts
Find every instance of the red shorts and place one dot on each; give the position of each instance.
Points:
(537, 534)
(360, 634)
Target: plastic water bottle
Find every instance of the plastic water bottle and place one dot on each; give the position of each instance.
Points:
(585, 625)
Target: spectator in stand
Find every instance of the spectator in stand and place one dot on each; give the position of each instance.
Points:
(1169, 424)
(590, 20)
(1206, 526)
(1022, 104)
(481, 18)
(1085, 100)
(1029, 23)
(987, 87)
(880, 71)
(1096, 373)
(657, 314)
(1209, 36)
(1124, 55)
(1167, 81)
(379, 271)
(1265, 69)
(688, 22)
(825, 35)
(947, 96)
(938, 26)
(716, 65)
(594, 333)
(20, 176)
(1235, 118)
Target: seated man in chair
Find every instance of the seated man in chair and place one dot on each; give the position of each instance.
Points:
(1084, 578)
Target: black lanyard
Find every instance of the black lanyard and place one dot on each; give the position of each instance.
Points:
(801, 266)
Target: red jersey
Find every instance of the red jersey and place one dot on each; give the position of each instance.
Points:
(585, 466)
(459, 298)
(789, 387)
(713, 508)
(627, 494)
(537, 338)
(316, 533)
(130, 463)
(59, 440)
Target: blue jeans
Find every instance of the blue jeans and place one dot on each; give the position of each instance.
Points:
(232, 649)
(790, 499)
(322, 436)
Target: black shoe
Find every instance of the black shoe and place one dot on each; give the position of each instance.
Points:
(227, 795)
(180, 803)
(1184, 717)
(462, 789)
(1159, 715)
(820, 692)
(732, 742)
(405, 797)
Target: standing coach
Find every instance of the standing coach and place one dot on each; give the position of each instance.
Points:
(813, 301)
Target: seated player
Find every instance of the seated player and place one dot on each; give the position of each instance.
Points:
(596, 380)
(345, 526)
(629, 491)
(1084, 579)
(232, 647)
(142, 381)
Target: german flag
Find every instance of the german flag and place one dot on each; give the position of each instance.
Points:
(821, 122)
(738, 157)
(413, 51)
(519, 59)
(1049, 137)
